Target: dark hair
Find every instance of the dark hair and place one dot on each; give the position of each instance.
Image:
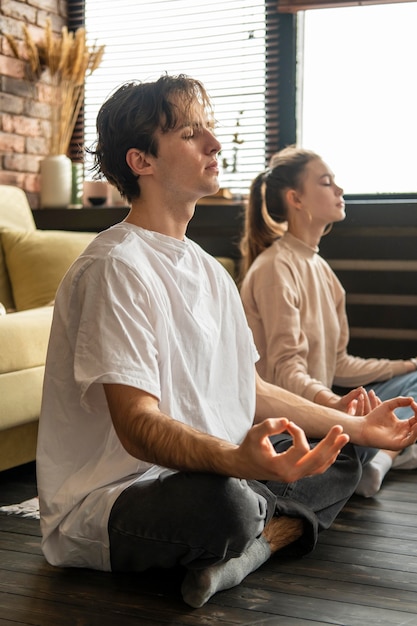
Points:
(266, 210)
(130, 118)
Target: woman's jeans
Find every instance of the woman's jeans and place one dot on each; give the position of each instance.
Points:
(405, 385)
(197, 519)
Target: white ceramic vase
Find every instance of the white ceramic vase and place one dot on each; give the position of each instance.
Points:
(56, 181)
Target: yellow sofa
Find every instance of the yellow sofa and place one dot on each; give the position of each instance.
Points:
(32, 263)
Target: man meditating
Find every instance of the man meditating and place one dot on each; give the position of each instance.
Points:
(159, 445)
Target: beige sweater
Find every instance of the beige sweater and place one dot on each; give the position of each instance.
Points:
(295, 306)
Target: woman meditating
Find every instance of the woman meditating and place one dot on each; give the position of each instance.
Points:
(295, 304)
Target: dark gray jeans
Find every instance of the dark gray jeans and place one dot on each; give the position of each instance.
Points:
(196, 519)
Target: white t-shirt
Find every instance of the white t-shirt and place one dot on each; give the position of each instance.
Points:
(146, 310)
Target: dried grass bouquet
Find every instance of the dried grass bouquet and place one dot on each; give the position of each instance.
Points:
(68, 61)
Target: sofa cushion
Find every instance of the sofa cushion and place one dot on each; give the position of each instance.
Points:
(24, 339)
(15, 214)
(21, 396)
(37, 261)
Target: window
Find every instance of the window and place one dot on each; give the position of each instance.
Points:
(358, 94)
(222, 43)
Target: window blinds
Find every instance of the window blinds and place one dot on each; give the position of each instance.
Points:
(223, 44)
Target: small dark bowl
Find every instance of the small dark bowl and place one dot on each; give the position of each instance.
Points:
(97, 200)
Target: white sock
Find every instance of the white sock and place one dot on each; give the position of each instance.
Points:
(407, 459)
(200, 585)
(373, 474)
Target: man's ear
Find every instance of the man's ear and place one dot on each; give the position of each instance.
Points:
(138, 163)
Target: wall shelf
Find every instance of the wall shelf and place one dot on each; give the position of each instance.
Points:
(216, 225)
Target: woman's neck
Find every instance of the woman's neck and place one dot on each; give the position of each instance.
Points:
(311, 236)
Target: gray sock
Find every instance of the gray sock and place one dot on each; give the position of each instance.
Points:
(200, 585)
(373, 474)
(407, 459)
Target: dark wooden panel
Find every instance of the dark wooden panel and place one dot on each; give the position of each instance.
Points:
(373, 252)
(382, 348)
(384, 316)
(378, 282)
(377, 213)
(377, 243)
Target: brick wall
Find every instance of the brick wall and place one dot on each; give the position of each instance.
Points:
(24, 106)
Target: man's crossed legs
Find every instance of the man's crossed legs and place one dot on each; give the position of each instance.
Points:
(222, 529)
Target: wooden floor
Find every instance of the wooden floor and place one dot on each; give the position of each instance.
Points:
(363, 572)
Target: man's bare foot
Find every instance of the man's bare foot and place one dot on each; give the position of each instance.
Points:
(281, 531)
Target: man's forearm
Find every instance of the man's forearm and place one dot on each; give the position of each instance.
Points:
(160, 439)
(149, 435)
